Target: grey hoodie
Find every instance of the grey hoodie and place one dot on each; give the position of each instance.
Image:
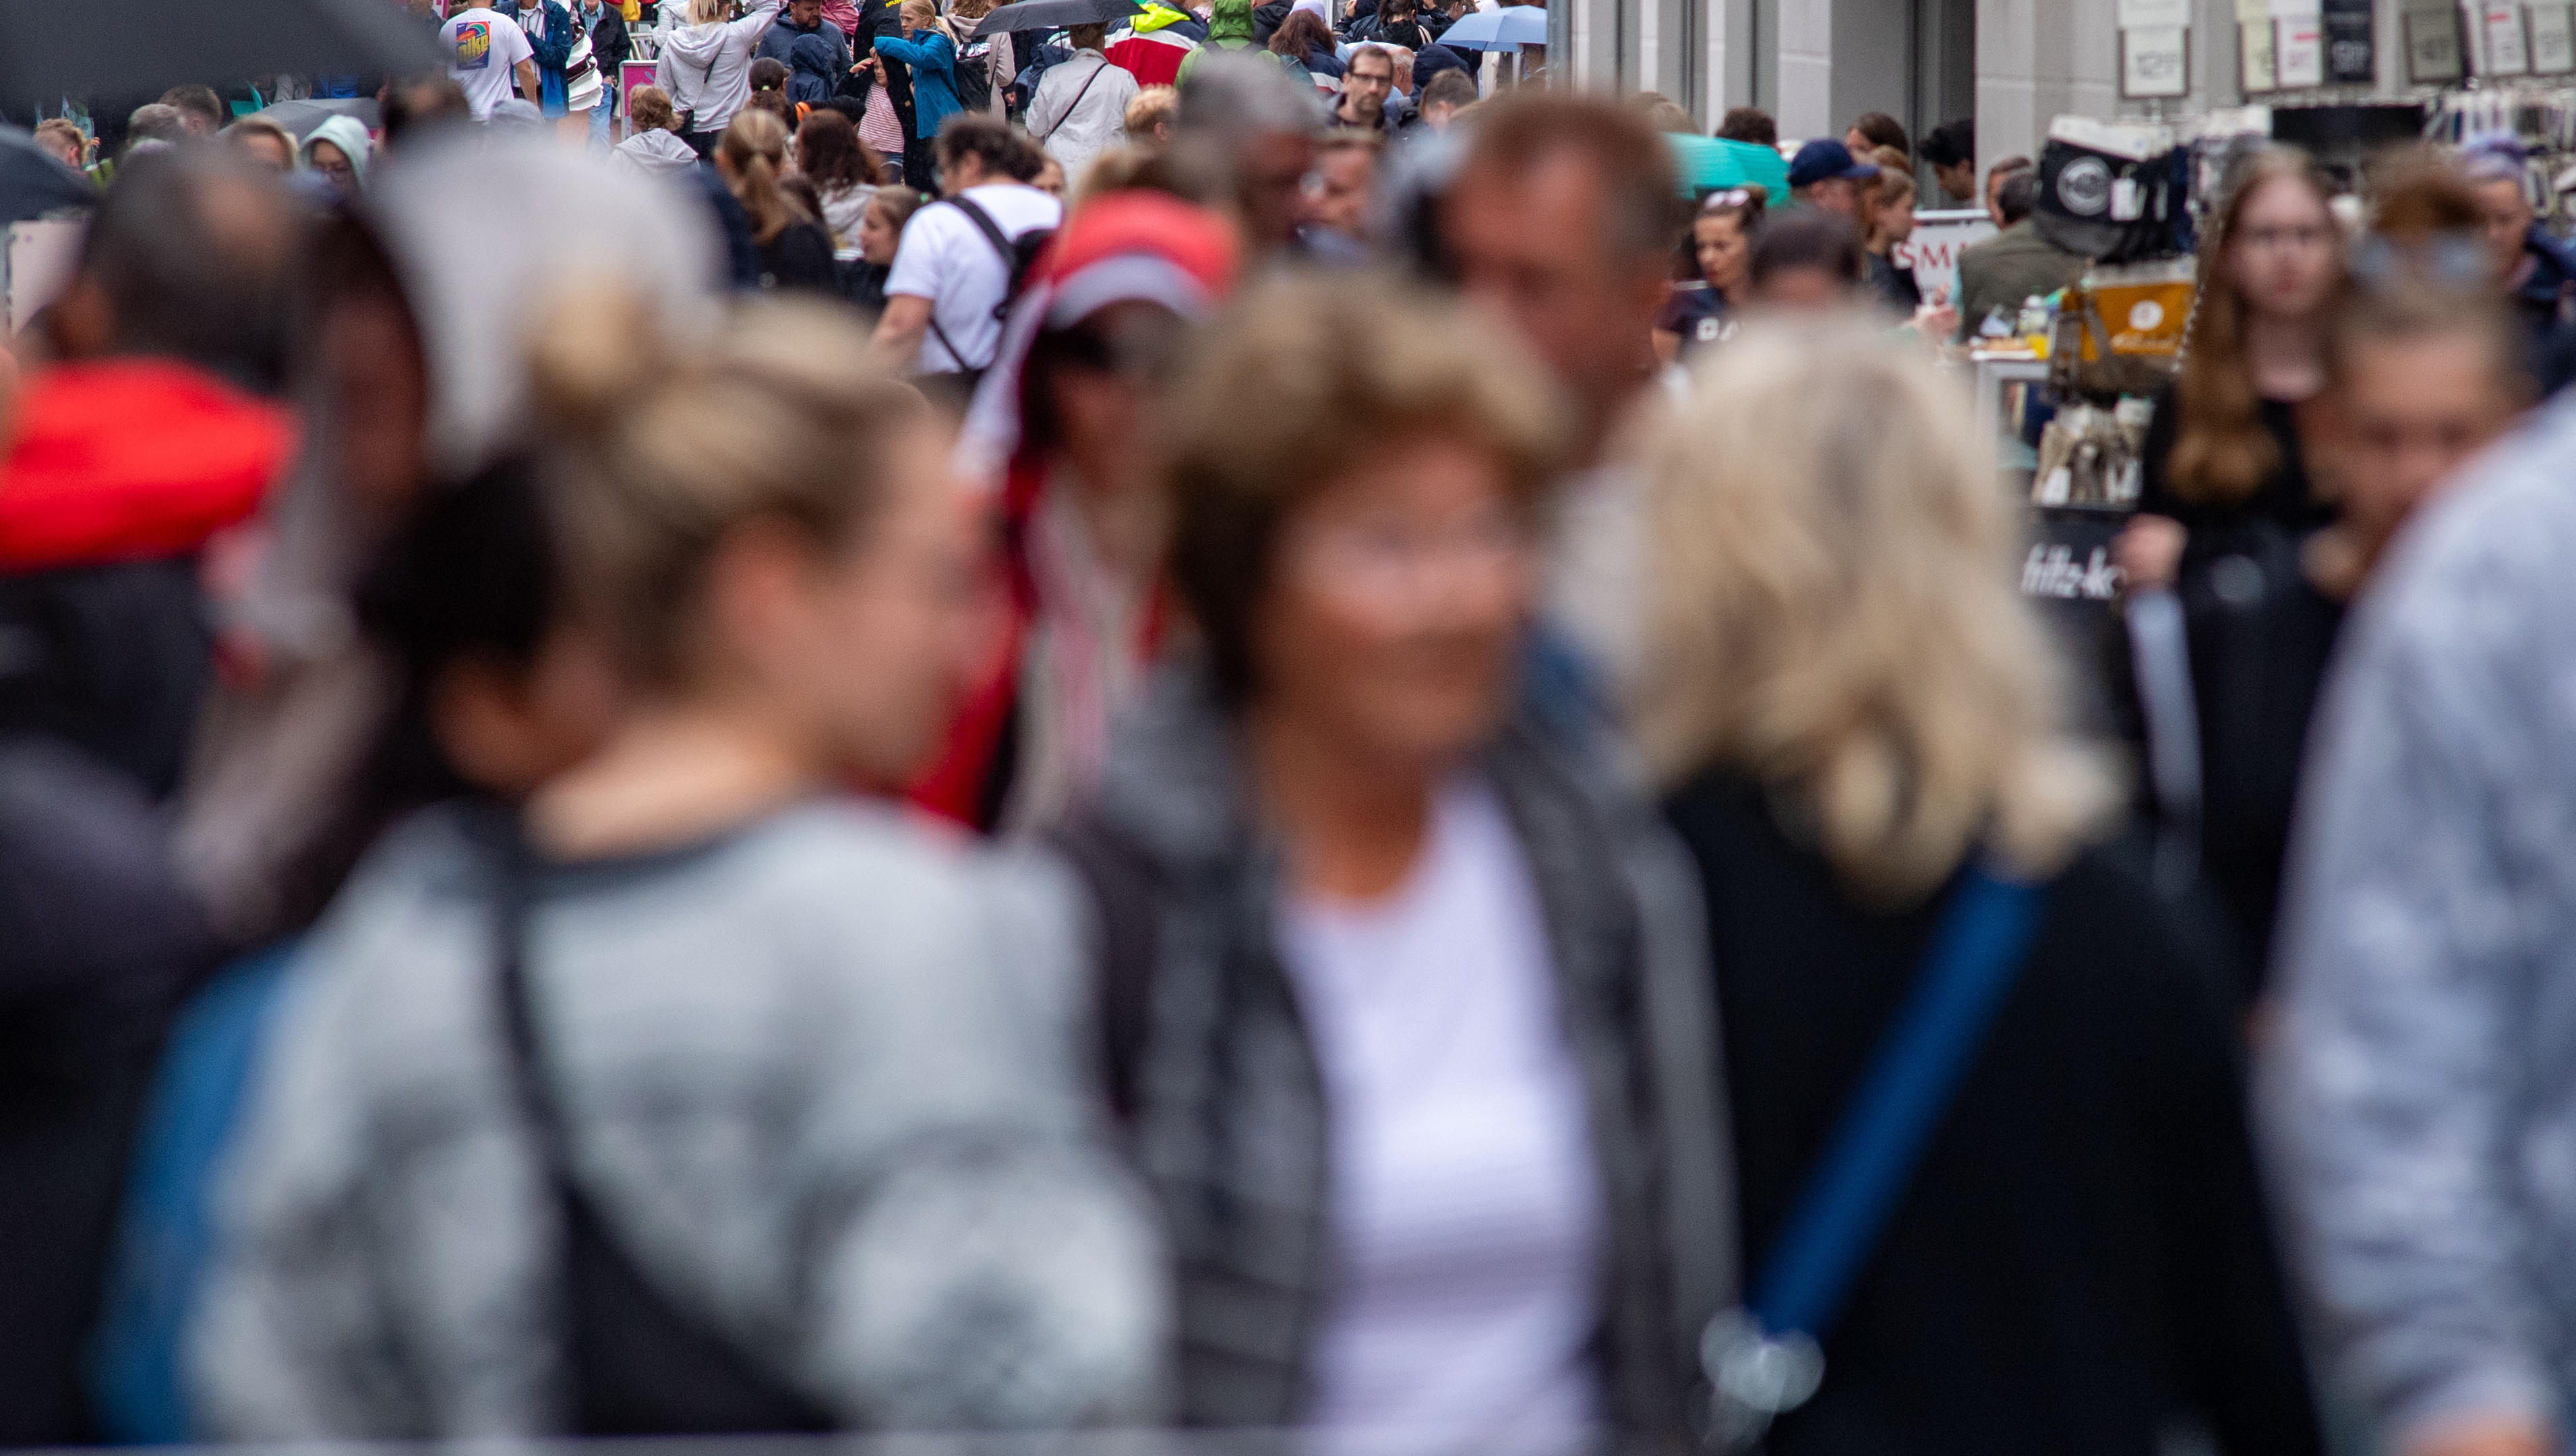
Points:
(2420, 1094)
(820, 1077)
(707, 68)
(654, 153)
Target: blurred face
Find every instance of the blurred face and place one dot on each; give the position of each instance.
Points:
(65, 149)
(1100, 375)
(266, 150)
(333, 164)
(1994, 196)
(1959, 179)
(1896, 218)
(1392, 620)
(1724, 252)
(2505, 214)
(2282, 258)
(1051, 178)
(1801, 290)
(379, 400)
(1835, 194)
(805, 14)
(2413, 412)
(1860, 145)
(1370, 80)
(1337, 195)
(1271, 173)
(1531, 251)
(869, 644)
(511, 731)
(877, 237)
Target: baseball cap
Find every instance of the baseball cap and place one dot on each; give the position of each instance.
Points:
(1825, 159)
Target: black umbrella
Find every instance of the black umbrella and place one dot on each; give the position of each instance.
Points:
(32, 183)
(1049, 14)
(300, 117)
(63, 48)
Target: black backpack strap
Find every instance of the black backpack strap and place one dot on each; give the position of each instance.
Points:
(636, 1365)
(1001, 242)
(1124, 891)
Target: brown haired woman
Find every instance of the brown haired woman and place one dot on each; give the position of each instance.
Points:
(2227, 506)
(795, 251)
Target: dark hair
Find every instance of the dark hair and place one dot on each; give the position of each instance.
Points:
(989, 140)
(1882, 130)
(423, 102)
(1951, 143)
(828, 150)
(1087, 37)
(1809, 237)
(1749, 124)
(1449, 88)
(198, 100)
(222, 301)
(1301, 35)
(768, 73)
(1640, 194)
(2018, 196)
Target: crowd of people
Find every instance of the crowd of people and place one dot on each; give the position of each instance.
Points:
(1210, 731)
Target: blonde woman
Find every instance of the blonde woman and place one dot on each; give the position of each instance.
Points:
(1851, 707)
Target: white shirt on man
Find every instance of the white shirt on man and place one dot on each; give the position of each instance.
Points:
(1466, 1201)
(484, 48)
(945, 258)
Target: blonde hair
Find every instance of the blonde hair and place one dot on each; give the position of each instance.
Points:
(754, 151)
(1832, 615)
(710, 12)
(655, 455)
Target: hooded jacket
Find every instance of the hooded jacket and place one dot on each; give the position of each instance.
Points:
(1229, 29)
(654, 153)
(707, 68)
(780, 45)
(348, 134)
(1215, 1068)
(1128, 246)
(80, 486)
(1080, 110)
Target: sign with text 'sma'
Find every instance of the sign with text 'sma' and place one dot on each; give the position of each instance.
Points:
(1933, 251)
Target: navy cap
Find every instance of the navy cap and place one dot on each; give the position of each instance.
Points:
(1825, 159)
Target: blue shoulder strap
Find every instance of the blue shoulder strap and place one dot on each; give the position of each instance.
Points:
(1976, 953)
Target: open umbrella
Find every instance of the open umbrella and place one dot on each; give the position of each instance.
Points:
(1507, 29)
(143, 47)
(1051, 15)
(32, 183)
(300, 117)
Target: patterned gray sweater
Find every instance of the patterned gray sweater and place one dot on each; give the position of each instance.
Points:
(2420, 1098)
(822, 1076)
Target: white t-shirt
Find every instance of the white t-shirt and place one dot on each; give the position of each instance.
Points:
(486, 47)
(1466, 1199)
(945, 257)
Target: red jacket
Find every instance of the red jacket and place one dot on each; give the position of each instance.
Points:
(132, 459)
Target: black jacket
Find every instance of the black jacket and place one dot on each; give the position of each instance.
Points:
(800, 257)
(609, 43)
(1268, 17)
(2083, 1256)
(97, 943)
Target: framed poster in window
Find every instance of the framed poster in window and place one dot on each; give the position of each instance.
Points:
(2352, 46)
(2299, 53)
(2254, 56)
(2553, 39)
(2155, 62)
(2501, 47)
(2433, 46)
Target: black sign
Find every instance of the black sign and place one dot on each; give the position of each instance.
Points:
(2352, 50)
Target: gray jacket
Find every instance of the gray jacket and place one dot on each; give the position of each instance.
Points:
(820, 1076)
(2421, 1095)
(1225, 1102)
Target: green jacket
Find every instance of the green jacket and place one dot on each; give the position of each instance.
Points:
(2007, 268)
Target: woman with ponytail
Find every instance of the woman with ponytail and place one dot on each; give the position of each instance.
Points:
(795, 250)
(687, 1092)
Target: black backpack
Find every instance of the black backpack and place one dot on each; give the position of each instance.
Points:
(1017, 256)
(974, 77)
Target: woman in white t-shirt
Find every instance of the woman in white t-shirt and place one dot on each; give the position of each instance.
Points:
(1402, 996)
